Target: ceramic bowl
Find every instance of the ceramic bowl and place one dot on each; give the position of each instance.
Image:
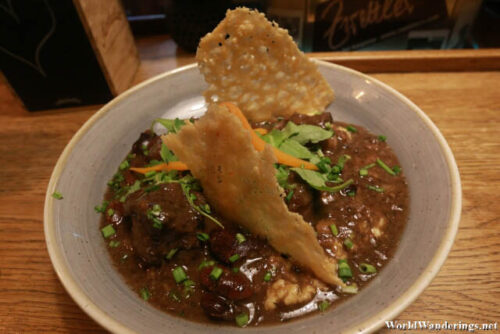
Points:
(80, 258)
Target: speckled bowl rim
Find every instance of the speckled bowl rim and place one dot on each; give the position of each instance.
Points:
(368, 326)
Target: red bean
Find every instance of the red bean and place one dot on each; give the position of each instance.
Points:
(234, 286)
(216, 306)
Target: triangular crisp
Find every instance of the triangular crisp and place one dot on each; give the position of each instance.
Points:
(257, 65)
(240, 183)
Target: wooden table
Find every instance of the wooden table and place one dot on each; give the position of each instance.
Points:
(464, 105)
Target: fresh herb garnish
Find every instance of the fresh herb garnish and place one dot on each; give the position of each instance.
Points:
(385, 167)
(186, 188)
(275, 137)
(334, 229)
(351, 128)
(268, 276)
(382, 138)
(166, 154)
(375, 188)
(206, 263)
(171, 253)
(344, 270)
(241, 319)
(241, 238)
(342, 160)
(348, 243)
(130, 190)
(364, 170)
(234, 258)
(114, 243)
(172, 125)
(57, 195)
(108, 231)
(323, 305)
(202, 237)
(294, 148)
(179, 275)
(306, 133)
(145, 294)
(216, 273)
(318, 180)
(289, 196)
(351, 289)
(367, 268)
(124, 165)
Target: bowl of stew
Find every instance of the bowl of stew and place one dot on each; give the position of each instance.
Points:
(394, 224)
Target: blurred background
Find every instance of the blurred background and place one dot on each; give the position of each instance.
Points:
(65, 53)
(327, 25)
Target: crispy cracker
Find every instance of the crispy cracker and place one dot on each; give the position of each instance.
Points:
(257, 65)
(241, 185)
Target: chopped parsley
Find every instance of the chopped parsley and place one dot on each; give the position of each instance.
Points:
(57, 195)
(145, 294)
(351, 128)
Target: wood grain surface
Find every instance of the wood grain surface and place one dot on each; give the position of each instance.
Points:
(109, 33)
(416, 60)
(464, 105)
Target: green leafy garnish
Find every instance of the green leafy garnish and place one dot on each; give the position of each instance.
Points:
(145, 294)
(172, 125)
(130, 190)
(154, 214)
(385, 167)
(323, 305)
(166, 154)
(342, 160)
(171, 253)
(306, 133)
(294, 148)
(351, 128)
(108, 231)
(318, 180)
(114, 243)
(311, 134)
(275, 137)
(376, 188)
(124, 165)
(206, 263)
(57, 195)
(186, 188)
(101, 208)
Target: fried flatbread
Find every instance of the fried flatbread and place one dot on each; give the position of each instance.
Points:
(240, 183)
(256, 65)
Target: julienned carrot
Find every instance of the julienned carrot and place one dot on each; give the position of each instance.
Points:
(261, 131)
(259, 144)
(174, 165)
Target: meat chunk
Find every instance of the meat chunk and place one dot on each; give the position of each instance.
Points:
(162, 220)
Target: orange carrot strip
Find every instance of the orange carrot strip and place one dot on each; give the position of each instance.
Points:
(261, 131)
(259, 144)
(174, 165)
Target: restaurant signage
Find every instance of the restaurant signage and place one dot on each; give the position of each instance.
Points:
(352, 24)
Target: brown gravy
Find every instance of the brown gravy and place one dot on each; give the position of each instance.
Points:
(251, 278)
